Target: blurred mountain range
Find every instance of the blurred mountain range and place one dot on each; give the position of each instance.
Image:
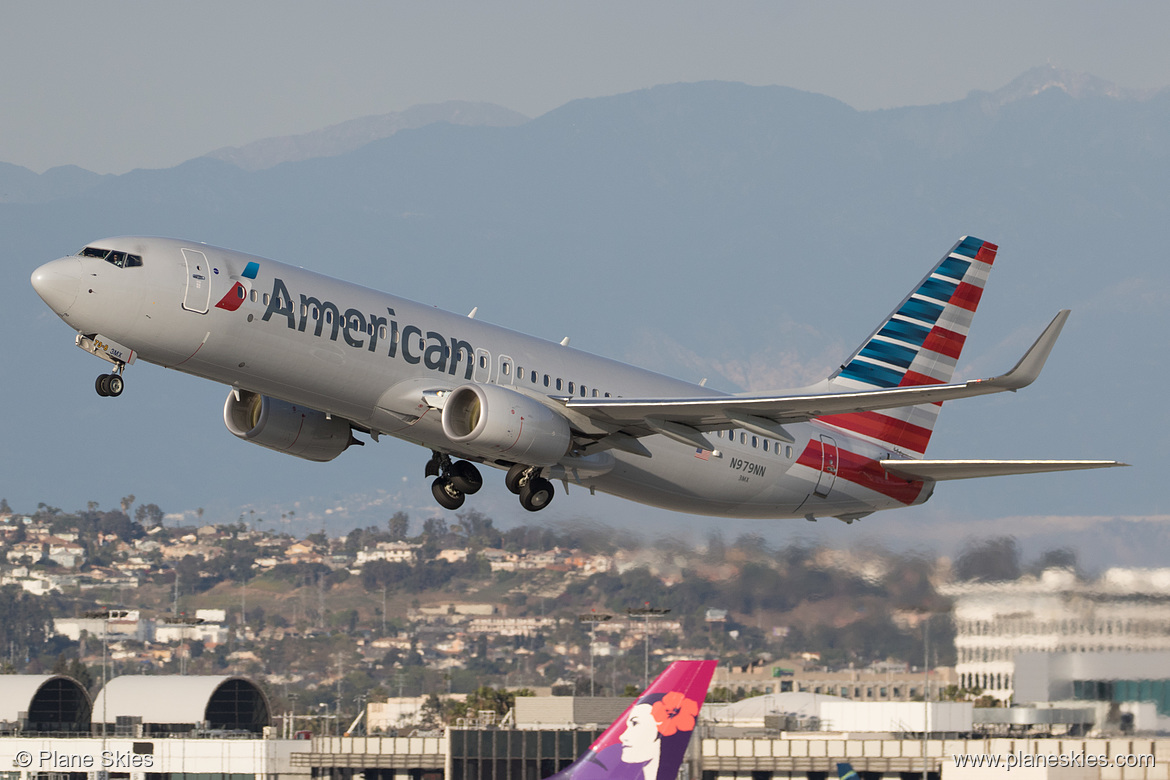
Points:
(751, 235)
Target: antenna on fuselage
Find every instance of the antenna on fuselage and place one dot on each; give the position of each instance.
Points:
(565, 341)
(471, 314)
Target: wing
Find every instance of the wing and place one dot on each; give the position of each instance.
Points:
(939, 470)
(685, 419)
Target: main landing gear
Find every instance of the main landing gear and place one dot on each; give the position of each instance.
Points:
(110, 385)
(535, 491)
(454, 480)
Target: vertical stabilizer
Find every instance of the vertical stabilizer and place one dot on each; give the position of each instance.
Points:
(649, 739)
(919, 343)
(845, 771)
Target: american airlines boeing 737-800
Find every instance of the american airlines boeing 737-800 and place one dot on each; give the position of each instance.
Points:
(311, 360)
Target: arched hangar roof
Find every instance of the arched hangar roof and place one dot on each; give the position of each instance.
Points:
(53, 702)
(220, 701)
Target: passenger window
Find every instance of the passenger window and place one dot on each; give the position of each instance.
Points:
(240, 293)
(254, 295)
(788, 452)
(533, 377)
(329, 316)
(583, 393)
(506, 368)
(742, 437)
(765, 445)
(572, 387)
(483, 361)
(381, 331)
(607, 395)
(267, 298)
(559, 383)
(546, 380)
(595, 392)
(755, 442)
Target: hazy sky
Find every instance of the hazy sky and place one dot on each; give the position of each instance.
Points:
(113, 86)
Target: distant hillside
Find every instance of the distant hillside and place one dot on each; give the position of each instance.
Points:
(20, 185)
(347, 136)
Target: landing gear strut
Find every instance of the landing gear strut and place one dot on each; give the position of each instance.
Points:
(534, 490)
(454, 480)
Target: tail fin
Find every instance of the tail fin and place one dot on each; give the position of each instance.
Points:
(845, 771)
(919, 343)
(648, 740)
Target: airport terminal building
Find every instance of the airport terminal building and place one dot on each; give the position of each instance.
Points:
(219, 728)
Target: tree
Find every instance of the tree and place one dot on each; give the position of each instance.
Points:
(1060, 558)
(399, 526)
(127, 502)
(76, 669)
(148, 515)
(4, 508)
(989, 560)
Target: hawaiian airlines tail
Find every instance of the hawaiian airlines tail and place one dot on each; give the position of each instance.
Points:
(919, 343)
(649, 739)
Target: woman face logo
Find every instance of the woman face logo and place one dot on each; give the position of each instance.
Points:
(640, 739)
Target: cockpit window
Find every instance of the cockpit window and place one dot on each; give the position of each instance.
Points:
(119, 259)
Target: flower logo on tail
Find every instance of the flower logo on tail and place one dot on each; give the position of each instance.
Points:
(674, 712)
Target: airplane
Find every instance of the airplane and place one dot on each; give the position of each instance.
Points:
(311, 361)
(649, 739)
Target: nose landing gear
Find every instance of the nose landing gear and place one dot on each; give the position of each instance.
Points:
(110, 385)
(107, 385)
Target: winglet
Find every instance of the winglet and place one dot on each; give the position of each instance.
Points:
(1032, 363)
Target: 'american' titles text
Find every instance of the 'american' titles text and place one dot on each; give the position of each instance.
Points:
(364, 331)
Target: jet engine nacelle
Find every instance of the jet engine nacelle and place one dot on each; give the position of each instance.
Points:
(284, 427)
(495, 422)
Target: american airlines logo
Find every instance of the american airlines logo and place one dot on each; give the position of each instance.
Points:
(325, 319)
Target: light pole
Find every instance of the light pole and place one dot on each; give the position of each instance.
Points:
(646, 612)
(292, 697)
(925, 690)
(592, 618)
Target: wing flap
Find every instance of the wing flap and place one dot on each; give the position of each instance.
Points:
(940, 470)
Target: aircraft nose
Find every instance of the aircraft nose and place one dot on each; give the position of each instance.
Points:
(57, 282)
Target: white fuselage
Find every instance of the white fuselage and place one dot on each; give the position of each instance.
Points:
(372, 358)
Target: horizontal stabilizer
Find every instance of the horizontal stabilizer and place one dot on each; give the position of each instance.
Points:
(939, 470)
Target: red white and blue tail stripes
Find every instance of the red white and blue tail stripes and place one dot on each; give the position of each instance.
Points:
(918, 344)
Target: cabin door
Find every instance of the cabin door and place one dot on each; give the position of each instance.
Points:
(197, 296)
(828, 473)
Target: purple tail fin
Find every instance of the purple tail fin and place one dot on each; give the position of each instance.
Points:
(648, 740)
